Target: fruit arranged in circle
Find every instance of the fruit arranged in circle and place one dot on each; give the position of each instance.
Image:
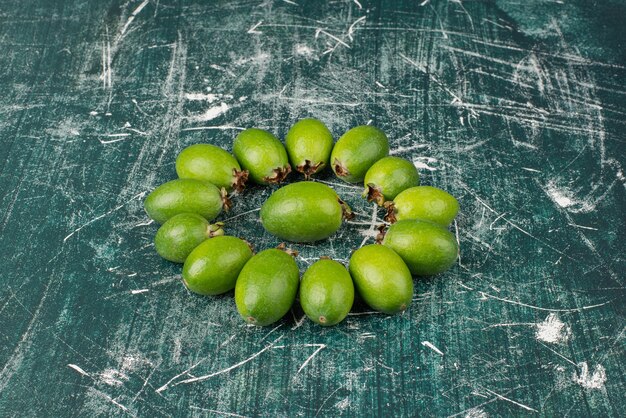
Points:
(180, 234)
(309, 143)
(185, 196)
(356, 151)
(426, 247)
(388, 177)
(423, 202)
(266, 287)
(212, 164)
(212, 267)
(381, 278)
(326, 292)
(263, 155)
(303, 212)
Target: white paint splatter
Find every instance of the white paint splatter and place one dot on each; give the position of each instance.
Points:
(422, 162)
(211, 113)
(588, 380)
(552, 330)
(113, 377)
(78, 369)
(304, 51)
(432, 347)
(476, 413)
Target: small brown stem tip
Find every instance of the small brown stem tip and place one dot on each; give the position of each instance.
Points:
(226, 203)
(283, 247)
(340, 169)
(279, 174)
(308, 168)
(391, 212)
(374, 194)
(240, 179)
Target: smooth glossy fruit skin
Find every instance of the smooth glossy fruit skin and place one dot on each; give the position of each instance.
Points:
(302, 212)
(212, 164)
(212, 267)
(426, 247)
(180, 234)
(266, 287)
(326, 292)
(356, 151)
(263, 155)
(309, 143)
(183, 196)
(388, 177)
(425, 202)
(381, 278)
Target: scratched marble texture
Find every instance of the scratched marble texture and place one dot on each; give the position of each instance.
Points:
(518, 109)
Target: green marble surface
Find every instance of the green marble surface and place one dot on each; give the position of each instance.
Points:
(516, 108)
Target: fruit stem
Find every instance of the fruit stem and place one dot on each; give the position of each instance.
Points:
(346, 211)
(240, 179)
(226, 203)
(280, 174)
(308, 168)
(374, 194)
(381, 233)
(391, 212)
(215, 230)
(340, 169)
(283, 247)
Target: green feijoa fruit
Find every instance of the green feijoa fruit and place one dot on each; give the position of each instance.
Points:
(185, 196)
(211, 164)
(180, 234)
(356, 151)
(303, 212)
(381, 278)
(423, 202)
(388, 177)
(426, 247)
(212, 267)
(263, 155)
(326, 292)
(309, 143)
(266, 287)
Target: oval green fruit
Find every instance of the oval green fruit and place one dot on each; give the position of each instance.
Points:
(309, 143)
(263, 155)
(381, 278)
(180, 234)
(212, 164)
(212, 267)
(302, 212)
(356, 151)
(426, 247)
(423, 202)
(266, 287)
(388, 177)
(185, 196)
(326, 292)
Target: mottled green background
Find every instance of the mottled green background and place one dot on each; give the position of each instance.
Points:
(517, 108)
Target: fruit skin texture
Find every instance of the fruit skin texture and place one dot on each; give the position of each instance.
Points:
(212, 164)
(326, 292)
(212, 267)
(180, 234)
(426, 247)
(424, 202)
(184, 196)
(263, 155)
(309, 143)
(381, 278)
(266, 287)
(356, 151)
(302, 212)
(388, 177)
